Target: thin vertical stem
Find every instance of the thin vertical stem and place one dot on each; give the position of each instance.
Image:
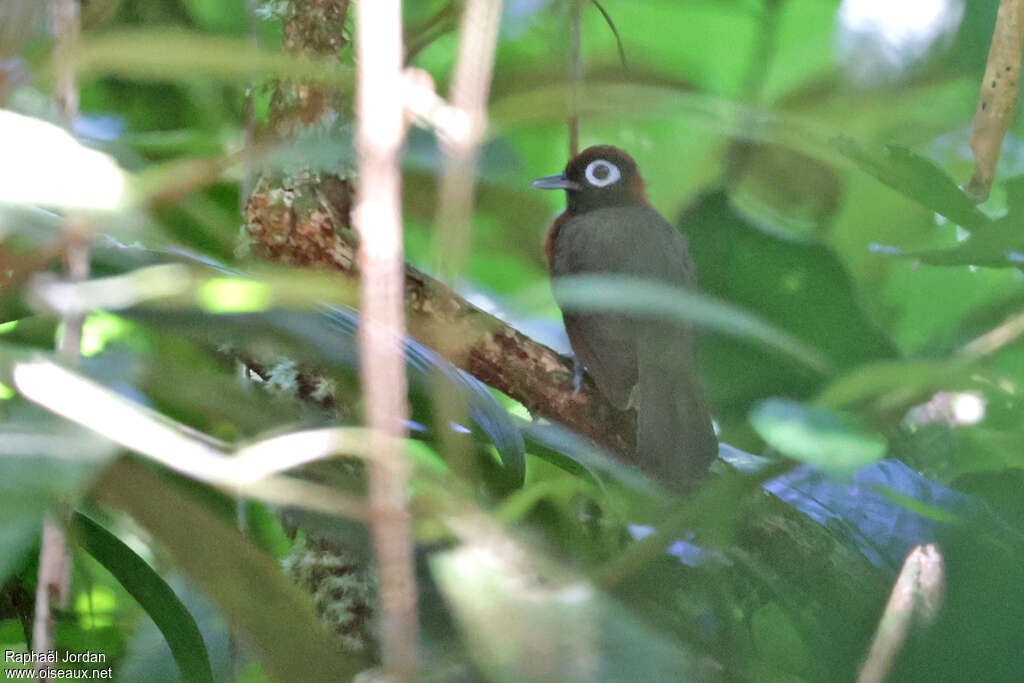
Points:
(54, 580)
(379, 132)
(76, 265)
(471, 84)
(66, 29)
(575, 74)
(66, 25)
(54, 576)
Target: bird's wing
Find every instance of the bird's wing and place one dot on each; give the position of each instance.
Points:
(633, 241)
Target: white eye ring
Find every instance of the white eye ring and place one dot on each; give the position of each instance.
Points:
(612, 169)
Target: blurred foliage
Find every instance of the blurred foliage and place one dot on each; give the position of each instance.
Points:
(856, 306)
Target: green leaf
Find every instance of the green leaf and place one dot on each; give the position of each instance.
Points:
(266, 530)
(801, 287)
(779, 641)
(153, 595)
(247, 585)
(178, 285)
(28, 223)
(917, 178)
(147, 659)
(829, 439)
(614, 294)
(908, 377)
(44, 461)
(170, 55)
(1001, 246)
(220, 15)
(556, 443)
(524, 619)
(630, 101)
(327, 339)
(924, 509)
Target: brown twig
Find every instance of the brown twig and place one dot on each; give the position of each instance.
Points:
(380, 128)
(915, 601)
(54, 576)
(997, 98)
(1006, 332)
(575, 74)
(54, 580)
(66, 28)
(615, 32)
(66, 23)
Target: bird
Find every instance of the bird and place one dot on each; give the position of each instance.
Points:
(644, 364)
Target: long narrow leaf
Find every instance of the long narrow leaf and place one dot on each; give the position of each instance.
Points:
(631, 101)
(917, 178)
(153, 595)
(160, 54)
(616, 294)
(247, 586)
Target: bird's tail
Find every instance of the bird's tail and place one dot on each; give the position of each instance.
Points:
(675, 441)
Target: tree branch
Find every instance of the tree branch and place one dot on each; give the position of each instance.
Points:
(316, 234)
(304, 221)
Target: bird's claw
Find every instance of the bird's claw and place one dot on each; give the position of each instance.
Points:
(577, 375)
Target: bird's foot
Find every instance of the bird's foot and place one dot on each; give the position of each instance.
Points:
(577, 375)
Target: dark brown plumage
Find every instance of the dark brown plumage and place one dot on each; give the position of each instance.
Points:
(610, 227)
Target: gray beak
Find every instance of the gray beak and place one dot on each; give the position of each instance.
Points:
(555, 182)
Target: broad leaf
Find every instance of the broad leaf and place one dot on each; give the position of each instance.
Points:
(829, 439)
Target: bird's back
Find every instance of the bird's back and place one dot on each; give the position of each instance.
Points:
(631, 240)
(635, 362)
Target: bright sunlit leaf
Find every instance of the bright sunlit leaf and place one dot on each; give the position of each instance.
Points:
(99, 329)
(96, 607)
(231, 295)
(43, 164)
(115, 292)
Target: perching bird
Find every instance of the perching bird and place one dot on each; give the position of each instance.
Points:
(610, 227)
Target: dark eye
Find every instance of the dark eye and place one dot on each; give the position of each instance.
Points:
(601, 173)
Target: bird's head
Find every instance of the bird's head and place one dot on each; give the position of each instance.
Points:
(597, 178)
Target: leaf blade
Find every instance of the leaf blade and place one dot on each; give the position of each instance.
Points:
(153, 594)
